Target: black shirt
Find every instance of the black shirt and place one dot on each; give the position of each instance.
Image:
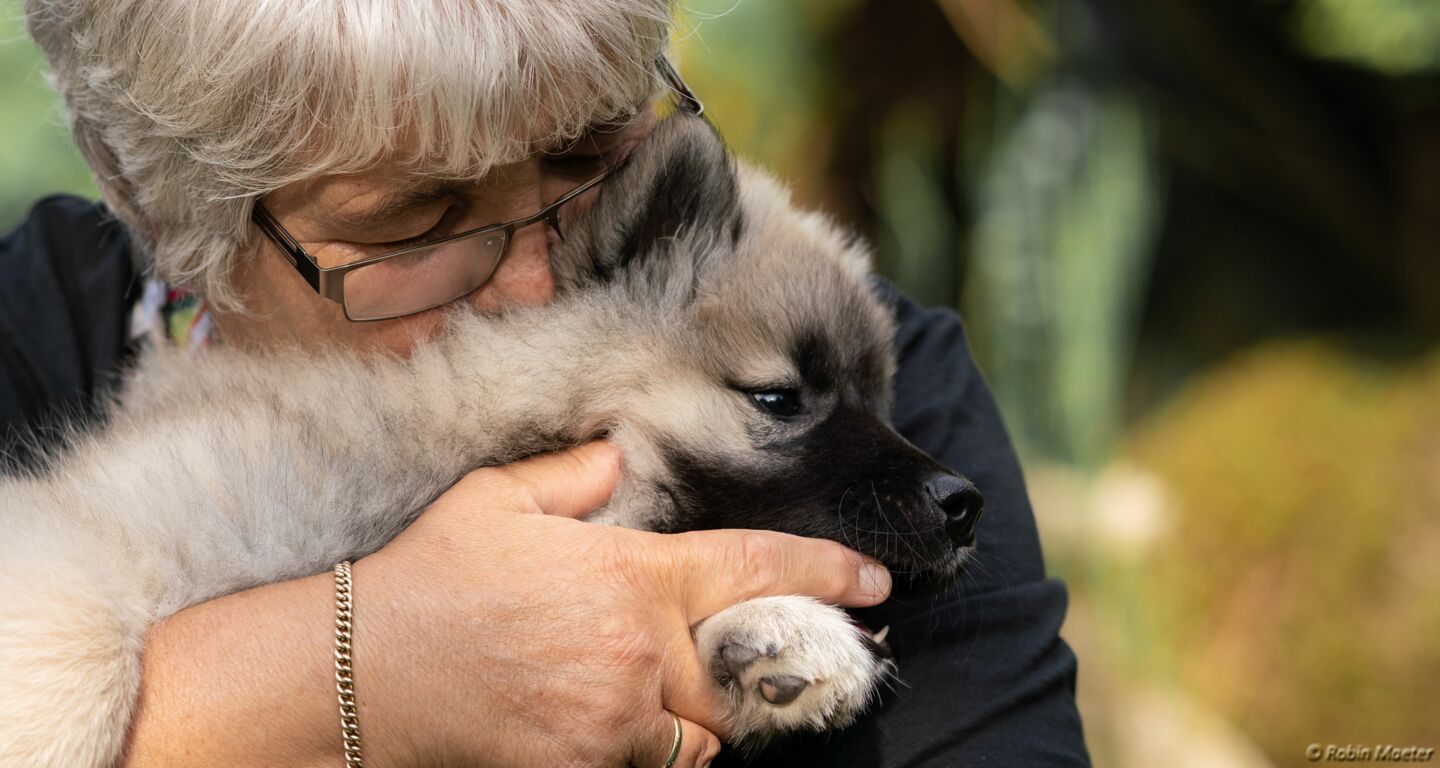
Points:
(66, 285)
(987, 680)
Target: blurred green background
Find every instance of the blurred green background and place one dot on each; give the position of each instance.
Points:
(36, 154)
(1195, 243)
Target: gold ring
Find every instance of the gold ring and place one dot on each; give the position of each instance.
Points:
(674, 748)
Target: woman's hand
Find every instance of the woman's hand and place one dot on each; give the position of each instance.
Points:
(493, 631)
(497, 631)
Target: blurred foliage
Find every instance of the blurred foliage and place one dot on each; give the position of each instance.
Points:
(1065, 227)
(854, 104)
(1118, 192)
(36, 154)
(1298, 588)
(1394, 36)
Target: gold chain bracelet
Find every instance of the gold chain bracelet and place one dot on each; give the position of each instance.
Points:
(344, 669)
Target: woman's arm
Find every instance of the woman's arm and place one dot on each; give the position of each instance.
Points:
(483, 634)
(245, 680)
(993, 680)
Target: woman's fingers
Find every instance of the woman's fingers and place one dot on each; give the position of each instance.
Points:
(689, 688)
(570, 483)
(670, 581)
(718, 569)
(697, 746)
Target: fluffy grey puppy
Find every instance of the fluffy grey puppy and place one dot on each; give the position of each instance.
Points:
(727, 342)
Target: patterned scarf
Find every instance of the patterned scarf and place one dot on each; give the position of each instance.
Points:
(166, 314)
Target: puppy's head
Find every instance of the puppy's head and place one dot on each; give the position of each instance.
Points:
(767, 399)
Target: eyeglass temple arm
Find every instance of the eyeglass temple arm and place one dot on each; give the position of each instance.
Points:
(677, 84)
(327, 283)
(288, 247)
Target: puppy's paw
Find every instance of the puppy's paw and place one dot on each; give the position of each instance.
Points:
(790, 663)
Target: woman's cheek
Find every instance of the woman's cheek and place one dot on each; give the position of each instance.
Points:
(523, 277)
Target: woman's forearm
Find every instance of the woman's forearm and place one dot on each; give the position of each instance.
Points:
(244, 680)
(484, 634)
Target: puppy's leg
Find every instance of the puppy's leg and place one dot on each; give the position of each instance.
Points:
(788, 664)
(69, 668)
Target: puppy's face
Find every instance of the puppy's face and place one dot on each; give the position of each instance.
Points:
(770, 407)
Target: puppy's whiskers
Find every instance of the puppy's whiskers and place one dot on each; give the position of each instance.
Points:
(849, 541)
(920, 559)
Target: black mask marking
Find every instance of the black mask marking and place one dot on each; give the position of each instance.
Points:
(850, 478)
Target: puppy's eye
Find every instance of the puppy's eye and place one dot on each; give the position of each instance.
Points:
(778, 402)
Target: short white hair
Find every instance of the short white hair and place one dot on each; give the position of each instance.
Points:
(189, 110)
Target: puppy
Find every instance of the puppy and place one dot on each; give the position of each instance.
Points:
(727, 342)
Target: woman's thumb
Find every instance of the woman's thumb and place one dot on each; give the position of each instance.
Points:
(571, 483)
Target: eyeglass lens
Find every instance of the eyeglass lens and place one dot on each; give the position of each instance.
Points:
(423, 279)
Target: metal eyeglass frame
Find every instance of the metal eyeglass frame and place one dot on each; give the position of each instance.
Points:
(329, 282)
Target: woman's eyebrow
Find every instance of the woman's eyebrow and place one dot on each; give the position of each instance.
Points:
(390, 208)
(599, 127)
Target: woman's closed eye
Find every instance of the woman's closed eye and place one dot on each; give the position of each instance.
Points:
(594, 151)
(446, 225)
(580, 166)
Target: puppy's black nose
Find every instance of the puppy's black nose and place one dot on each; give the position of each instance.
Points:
(961, 503)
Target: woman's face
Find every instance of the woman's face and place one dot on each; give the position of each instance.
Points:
(339, 219)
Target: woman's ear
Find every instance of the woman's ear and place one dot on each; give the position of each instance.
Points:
(662, 214)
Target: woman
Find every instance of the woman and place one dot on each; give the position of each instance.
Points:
(362, 128)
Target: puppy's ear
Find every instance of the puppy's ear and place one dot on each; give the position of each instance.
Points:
(672, 209)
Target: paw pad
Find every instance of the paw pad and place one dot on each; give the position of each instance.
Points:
(737, 658)
(782, 689)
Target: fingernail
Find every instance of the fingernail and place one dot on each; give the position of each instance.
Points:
(874, 582)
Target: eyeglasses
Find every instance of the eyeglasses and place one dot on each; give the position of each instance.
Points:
(438, 271)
